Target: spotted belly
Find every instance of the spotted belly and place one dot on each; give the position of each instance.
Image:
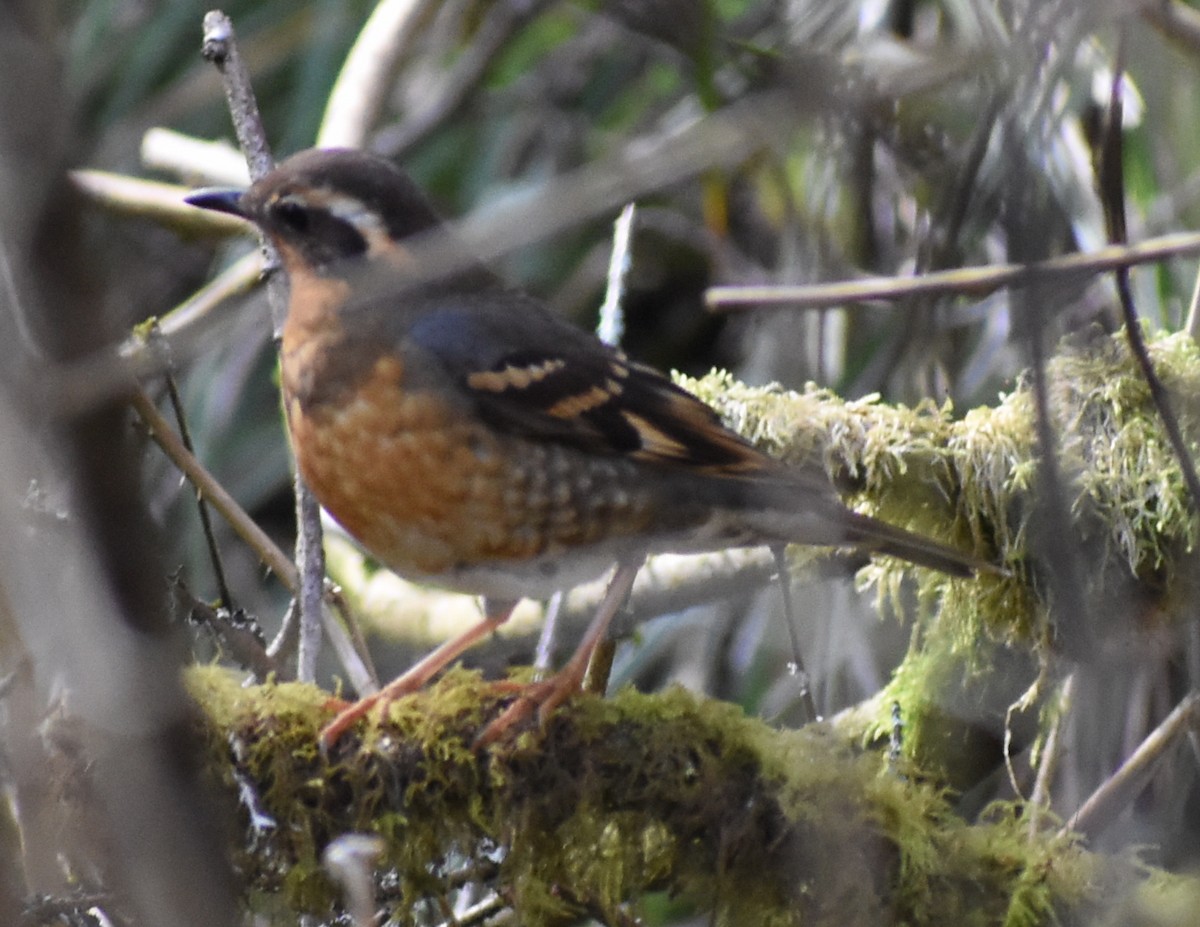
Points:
(439, 498)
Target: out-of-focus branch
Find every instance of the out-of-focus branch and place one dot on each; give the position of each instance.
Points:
(149, 199)
(1177, 22)
(1122, 787)
(963, 281)
(362, 85)
(501, 21)
(217, 163)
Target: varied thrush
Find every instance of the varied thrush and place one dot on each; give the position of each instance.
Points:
(470, 438)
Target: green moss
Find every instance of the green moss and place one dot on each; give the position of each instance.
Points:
(971, 482)
(612, 799)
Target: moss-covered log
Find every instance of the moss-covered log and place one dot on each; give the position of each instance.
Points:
(615, 798)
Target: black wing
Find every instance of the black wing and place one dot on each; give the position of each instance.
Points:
(531, 373)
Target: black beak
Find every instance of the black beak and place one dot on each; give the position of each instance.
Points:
(218, 199)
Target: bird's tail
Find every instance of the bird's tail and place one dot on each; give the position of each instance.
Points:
(870, 534)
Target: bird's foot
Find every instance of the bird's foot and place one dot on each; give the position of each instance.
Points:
(543, 697)
(496, 612)
(350, 713)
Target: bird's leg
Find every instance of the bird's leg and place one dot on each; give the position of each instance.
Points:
(550, 693)
(495, 613)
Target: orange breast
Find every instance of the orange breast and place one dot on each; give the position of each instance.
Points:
(428, 490)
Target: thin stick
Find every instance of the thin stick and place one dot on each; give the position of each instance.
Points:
(310, 554)
(185, 437)
(72, 388)
(217, 162)
(644, 164)
(612, 311)
(797, 667)
(220, 47)
(1039, 799)
(454, 87)
(239, 638)
(1175, 21)
(967, 281)
(478, 913)
(543, 655)
(1192, 325)
(1123, 786)
(611, 329)
(154, 200)
(1112, 190)
(500, 23)
(208, 488)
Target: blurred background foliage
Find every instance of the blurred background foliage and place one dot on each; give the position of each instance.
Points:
(927, 135)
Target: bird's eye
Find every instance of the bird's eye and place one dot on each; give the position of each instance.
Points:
(292, 214)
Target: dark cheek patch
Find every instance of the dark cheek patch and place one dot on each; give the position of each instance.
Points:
(330, 240)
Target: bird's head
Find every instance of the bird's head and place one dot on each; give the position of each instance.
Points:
(322, 207)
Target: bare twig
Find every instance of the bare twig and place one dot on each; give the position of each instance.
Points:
(1039, 799)
(240, 277)
(358, 94)
(71, 388)
(149, 199)
(1112, 190)
(310, 554)
(796, 667)
(478, 913)
(1192, 324)
(1175, 21)
(239, 636)
(220, 47)
(543, 654)
(612, 320)
(208, 487)
(608, 183)
(417, 617)
(965, 281)
(185, 437)
(193, 158)
(610, 329)
(350, 859)
(1123, 786)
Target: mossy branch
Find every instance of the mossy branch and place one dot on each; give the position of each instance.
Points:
(617, 797)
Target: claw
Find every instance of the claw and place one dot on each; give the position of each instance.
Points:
(550, 693)
(544, 696)
(496, 613)
(332, 732)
